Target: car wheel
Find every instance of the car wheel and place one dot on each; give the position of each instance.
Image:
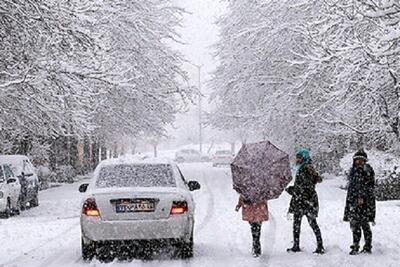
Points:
(35, 201)
(7, 212)
(186, 248)
(88, 250)
(17, 210)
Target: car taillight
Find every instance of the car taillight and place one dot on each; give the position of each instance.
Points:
(90, 208)
(179, 207)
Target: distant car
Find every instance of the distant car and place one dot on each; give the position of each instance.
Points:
(190, 155)
(23, 169)
(131, 203)
(10, 189)
(222, 158)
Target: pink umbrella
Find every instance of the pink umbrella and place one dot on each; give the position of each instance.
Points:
(260, 171)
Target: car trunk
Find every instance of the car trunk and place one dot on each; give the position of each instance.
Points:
(136, 205)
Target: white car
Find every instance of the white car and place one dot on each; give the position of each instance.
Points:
(190, 155)
(23, 169)
(222, 158)
(10, 189)
(136, 203)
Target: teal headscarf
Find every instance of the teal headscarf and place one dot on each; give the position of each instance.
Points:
(305, 153)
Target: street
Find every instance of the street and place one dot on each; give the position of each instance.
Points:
(49, 235)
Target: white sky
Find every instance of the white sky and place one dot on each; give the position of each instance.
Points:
(199, 34)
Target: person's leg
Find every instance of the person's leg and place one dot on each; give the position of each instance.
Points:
(356, 229)
(367, 236)
(296, 233)
(256, 234)
(317, 231)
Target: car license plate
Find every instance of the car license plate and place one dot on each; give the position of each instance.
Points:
(129, 206)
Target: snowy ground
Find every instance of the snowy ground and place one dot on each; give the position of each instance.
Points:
(50, 234)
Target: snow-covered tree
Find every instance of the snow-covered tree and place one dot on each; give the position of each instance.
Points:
(93, 71)
(354, 49)
(255, 81)
(311, 73)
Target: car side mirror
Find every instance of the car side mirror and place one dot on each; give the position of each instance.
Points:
(83, 188)
(11, 181)
(193, 185)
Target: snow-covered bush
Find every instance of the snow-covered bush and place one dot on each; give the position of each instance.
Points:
(63, 174)
(389, 188)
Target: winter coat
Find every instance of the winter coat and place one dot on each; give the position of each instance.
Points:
(253, 212)
(304, 196)
(361, 186)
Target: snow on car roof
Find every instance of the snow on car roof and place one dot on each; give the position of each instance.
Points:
(15, 161)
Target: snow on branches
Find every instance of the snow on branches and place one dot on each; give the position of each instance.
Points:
(88, 68)
(319, 68)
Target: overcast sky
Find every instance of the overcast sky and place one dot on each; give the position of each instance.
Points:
(199, 34)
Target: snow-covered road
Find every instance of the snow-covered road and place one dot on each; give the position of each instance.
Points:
(50, 234)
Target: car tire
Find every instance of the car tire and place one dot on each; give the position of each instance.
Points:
(88, 250)
(186, 248)
(7, 213)
(35, 201)
(17, 210)
(22, 203)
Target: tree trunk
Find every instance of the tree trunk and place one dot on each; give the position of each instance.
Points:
(95, 155)
(103, 152)
(155, 150)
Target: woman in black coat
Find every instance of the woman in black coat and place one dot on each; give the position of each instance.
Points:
(360, 202)
(304, 200)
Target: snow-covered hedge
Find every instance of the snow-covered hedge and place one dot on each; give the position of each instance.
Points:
(63, 174)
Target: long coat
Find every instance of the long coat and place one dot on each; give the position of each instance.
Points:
(304, 196)
(361, 186)
(253, 212)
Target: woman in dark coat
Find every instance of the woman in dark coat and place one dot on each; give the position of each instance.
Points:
(304, 200)
(360, 202)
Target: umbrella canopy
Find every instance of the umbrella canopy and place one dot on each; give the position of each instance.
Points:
(260, 171)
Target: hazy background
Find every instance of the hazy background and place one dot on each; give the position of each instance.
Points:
(199, 34)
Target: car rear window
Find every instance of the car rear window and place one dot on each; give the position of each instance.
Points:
(136, 175)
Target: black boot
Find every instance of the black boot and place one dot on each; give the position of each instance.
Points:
(295, 248)
(367, 249)
(368, 238)
(354, 249)
(320, 249)
(256, 249)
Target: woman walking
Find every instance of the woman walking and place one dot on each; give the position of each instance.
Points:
(255, 214)
(304, 200)
(360, 202)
